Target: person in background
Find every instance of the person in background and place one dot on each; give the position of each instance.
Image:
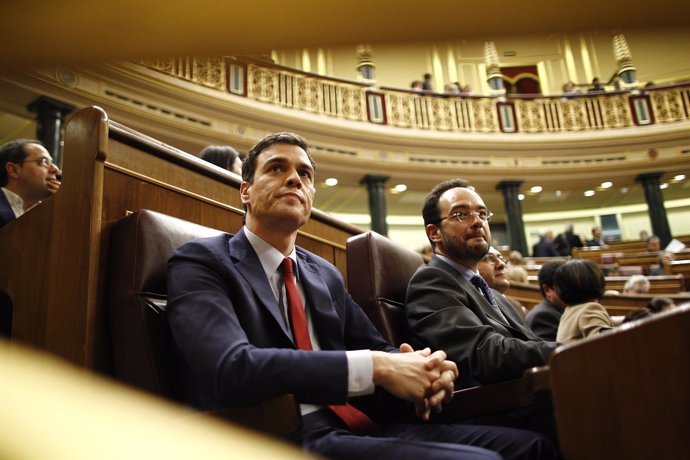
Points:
(636, 284)
(580, 284)
(427, 82)
(653, 244)
(656, 305)
(663, 266)
(597, 239)
(255, 316)
(494, 269)
(545, 246)
(515, 270)
(223, 156)
(566, 241)
(596, 86)
(27, 176)
(545, 316)
(644, 234)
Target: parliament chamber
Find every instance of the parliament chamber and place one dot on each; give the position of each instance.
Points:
(127, 129)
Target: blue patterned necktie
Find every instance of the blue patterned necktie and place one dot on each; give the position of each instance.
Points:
(480, 284)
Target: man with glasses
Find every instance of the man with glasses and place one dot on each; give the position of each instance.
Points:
(27, 176)
(449, 305)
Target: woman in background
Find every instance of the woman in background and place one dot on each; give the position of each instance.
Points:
(224, 156)
(580, 284)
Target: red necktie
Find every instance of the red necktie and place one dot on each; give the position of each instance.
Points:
(355, 420)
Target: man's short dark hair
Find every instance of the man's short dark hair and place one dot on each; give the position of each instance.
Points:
(13, 152)
(578, 281)
(249, 164)
(430, 211)
(546, 274)
(220, 155)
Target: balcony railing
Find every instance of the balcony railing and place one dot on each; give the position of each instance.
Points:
(351, 100)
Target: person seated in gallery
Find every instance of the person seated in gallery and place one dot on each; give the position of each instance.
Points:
(27, 176)
(515, 269)
(653, 244)
(545, 316)
(597, 239)
(580, 284)
(636, 284)
(545, 247)
(223, 156)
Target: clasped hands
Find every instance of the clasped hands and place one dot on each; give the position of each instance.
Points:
(420, 376)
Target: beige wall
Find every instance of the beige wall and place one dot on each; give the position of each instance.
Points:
(659, 55)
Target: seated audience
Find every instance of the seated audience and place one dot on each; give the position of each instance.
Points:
(653, 243)
(656, 305)
(571, 88)
(664, 262)
(255, 316)
(417, 85)
(516, 272)
(566, 241)
(27, 176)
(636, 284)
(545, 316)
(451, 88)
(223, 156)
(545, 246)
(644, 234)
(580, 284)
(597, 239)
(427, 82)
(494, 269)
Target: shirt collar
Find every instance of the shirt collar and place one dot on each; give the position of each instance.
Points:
(464, 271)
(270, 257)
(16, 202)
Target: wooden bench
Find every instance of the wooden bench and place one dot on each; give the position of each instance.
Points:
(59, 249)
(681, 267)
(625, 394)
(658, 285)
(529, 295)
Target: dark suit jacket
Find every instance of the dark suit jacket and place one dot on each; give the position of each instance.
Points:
(445, 311)
(6, 213)
(234, 339)
(544, 248)
(543, 319)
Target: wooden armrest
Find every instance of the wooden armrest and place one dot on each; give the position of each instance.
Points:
(277, 416)
(494, 398)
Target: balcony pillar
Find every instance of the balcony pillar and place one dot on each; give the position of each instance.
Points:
(50, 116)
(655, 204)
(377, 202)
(516, 227)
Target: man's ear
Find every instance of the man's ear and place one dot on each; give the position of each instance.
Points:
(13, 170)
(244, 192)
(434, 233)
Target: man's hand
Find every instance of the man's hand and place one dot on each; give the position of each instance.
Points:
(422, 377)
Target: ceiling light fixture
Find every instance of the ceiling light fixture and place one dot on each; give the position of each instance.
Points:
(521, 196)
(331, 181)
(606, 184)
(589, 192)
(536, 189)
(400, 188)
(663, 186)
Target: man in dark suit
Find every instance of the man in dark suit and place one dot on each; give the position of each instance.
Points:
(545, 246)
(597, 239)
(27, 176)
(447, 307)
(234, 319)
(545, 316)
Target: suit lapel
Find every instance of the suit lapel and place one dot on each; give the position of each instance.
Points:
(471, 291)
(320, 303)
(248, 265)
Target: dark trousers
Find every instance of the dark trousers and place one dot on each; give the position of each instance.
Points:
(323, 433)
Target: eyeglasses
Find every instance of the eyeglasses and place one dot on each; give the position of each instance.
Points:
(494, 259)
(465, 216)
(45, 162)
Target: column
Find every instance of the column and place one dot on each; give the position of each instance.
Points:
(516, 228)
(655, 204)
(377, 202)
(50, 116)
